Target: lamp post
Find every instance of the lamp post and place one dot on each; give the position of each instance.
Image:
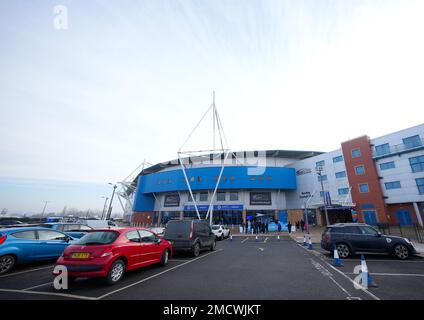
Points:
(44, 209)
(319, 171)
(109, 212)
(104, 207)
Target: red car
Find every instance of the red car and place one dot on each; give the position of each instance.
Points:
(109, 253)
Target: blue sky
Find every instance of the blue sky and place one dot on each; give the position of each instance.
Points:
(129, 79)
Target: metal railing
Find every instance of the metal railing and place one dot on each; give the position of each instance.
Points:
(414, 232)
(398, 148)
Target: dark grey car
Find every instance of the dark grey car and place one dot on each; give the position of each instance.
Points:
(190, 235)
(352, 238)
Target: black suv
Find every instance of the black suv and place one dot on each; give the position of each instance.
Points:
(351, 238)
(190, 235)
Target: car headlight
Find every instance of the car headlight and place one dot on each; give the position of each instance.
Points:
(407, 241)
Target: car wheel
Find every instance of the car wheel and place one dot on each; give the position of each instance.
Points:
(7, 263)
(401, 251)
(196, 249)
(165, 258)
(213, 246)
(222, 237)
(116, 272)
(343, 250)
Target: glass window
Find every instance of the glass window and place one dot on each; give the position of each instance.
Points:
(98, 237)
(71, 227)
(360, 170)
(83, 227)
(220, 196)
(412, 142)
(337, 159)
(387, 165)
(343, 191)
(352, 230)
(321, 194)
(368, 231)
(24, 235)
(363, 187)
(189, 198)
(133, 236)
(147, 236)
(417, 163)
(420, 185)
(234, 196)
(50, 235)
(382, 149)
(322, 178)
(341, 174)
(356, 153)
(392, 185)
(203, 196)
(320, 163)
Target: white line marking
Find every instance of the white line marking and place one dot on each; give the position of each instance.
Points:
(265, 240)
(155, 275)
(26, 271)
(262, 249)
(40, 285)
(49, 294)
(345, 276)
(245, 240)
(394, 274)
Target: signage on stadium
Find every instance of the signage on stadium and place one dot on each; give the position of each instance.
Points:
(205, 207)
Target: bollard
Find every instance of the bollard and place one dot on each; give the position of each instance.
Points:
(310, 247)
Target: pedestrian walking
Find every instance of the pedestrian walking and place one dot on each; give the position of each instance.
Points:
(289, 225)
(279, 226)
(266, 227)
(302, 225)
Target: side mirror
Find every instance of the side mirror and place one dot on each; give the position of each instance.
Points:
(67, 239)
(158, 241)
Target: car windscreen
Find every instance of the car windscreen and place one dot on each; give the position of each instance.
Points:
(215, 227)
(177, 229)
(98, 238)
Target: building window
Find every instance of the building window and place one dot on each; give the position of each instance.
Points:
(363, 187)
(341, 174)
(321, 194)
(412, 142)
(343, 191)
(322, 178)
(320, 163)
(382, 149)
(189, 198)
(234, 196)
(204, 196)
(337, 159)
(356, 153)
(220, 196)
(387, 165)
(417, 164)
(392, 185)
(420, 185)
(359, 170)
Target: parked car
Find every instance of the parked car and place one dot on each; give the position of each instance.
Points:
(160, 231)
(24, 245)
(10, 222)
(75, 230)
(221, 232)
(190, 235)
(352, 238)
(109, 253)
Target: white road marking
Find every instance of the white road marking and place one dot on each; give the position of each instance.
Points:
(341, 273)
(265, 240)
(26, 271)
(155, 275)
(49, 294)
(262, 249)
(394, 274)
(40, 285)
(245, 240)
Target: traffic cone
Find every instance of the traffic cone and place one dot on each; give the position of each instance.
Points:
(305, 244)
(310, 247)
(278, 237)
(336, 260)
(256, 237)
(367, 280)
(231, 237)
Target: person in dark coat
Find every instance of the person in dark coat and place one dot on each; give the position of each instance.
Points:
(289, 226)
(266, 227)
(302, 225)
(279, 226)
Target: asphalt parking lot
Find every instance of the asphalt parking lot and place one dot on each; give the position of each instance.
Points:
(239, 269)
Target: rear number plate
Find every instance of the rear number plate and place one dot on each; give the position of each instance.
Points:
(80, 255)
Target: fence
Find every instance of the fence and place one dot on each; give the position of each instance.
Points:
(414, 232)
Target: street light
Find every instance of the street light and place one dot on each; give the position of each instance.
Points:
(319, 171)
(109, 212)
(44, 209)
(104, 207)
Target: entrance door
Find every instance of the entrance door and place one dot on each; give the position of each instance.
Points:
(370, 217)
(404, 217)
